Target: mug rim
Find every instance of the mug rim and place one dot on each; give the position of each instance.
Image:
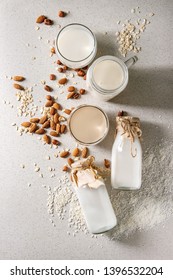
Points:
(83, 26)
(109, 91)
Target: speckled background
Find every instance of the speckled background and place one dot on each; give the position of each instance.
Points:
(25, 229)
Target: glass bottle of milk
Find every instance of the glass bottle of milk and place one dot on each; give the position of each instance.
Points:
(93, 197)
(126, 166)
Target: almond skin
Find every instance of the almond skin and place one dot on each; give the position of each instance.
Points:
(40, 131)
(61, 14)
(18, 78)
(75, 152)
(71, 94)
(65, 168)
(64, 154)
(48, 97)
(62, 81)
(43, 119)
(47, 139)
(60, 70)
(57, 106)
(55, 142)
(59, 62)
(76, 95)
(48, 21)
(52, 125)
(67, 111)
(82, 91)
(17, 86)
(52, 77)
(84, 152)
(26, 124)
(54, 133)
(56, 118)
(48, 88)
(52, 111)
(63, 128)
(40, 19)
(34, 120)
(107, 163)
(58, 128)
(71, 88)
(70, 161)
(46, 124)
(33, 128)
(49, 103)
(81, 73)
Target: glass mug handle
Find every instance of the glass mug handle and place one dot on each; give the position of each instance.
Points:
(131, 61)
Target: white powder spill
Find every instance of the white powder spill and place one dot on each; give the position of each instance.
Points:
(135, 210)
(153, 203)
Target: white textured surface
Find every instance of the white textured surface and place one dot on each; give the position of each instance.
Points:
(25, 228)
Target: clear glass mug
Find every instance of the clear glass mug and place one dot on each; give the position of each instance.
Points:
(76, 45)
(108, 76)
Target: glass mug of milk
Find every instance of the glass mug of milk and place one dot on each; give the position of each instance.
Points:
(108, 76)
(88, 124)
(76, 45)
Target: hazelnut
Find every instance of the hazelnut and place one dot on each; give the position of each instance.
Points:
(61, 14)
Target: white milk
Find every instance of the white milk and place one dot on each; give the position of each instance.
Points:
(97, 208)
(88, 124)
(75, 43)
(108, 74)
(126, 170)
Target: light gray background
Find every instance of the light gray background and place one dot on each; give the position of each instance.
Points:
(25, 230)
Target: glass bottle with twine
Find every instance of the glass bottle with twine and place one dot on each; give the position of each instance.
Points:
(126, 169)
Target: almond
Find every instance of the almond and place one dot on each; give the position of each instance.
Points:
(52, 125)
(40, 131)
(46, 124)
(84, 152)
(40, 19)
(71, 88)
(107, 163)
(71, 95)
(57, 106)
(56, 118)
(64, 154)
(26, 124)
(34, 120)
(55, 142)
(52, 77)
(18, 78)
(63, 128)
(59, 62)
(52, 50)
(49, 103)
(58, 128)
(62, 81)
(52, 111)
(61, 14)
(82, 91)
(48, 97)
(70, 161)
(33, 127)
(47, 139)
(48, 21)
(81, 73)
(48, 88)
(43, 119)
(75, 152)
(17, 86)
(54, 133)
(65, 168)
(67, 111)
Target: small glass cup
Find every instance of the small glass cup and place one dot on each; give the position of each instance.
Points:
(76, 45)
(108, 93)
(88, 124)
